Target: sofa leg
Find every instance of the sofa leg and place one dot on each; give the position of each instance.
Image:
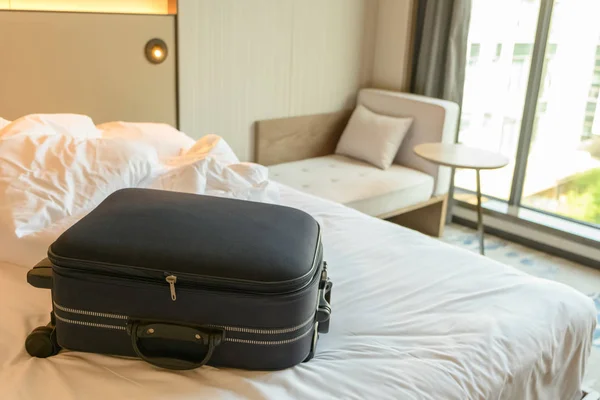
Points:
(429, 219)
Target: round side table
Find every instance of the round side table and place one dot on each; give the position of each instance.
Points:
(461, 156)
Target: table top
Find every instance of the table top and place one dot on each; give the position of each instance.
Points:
(460, 156)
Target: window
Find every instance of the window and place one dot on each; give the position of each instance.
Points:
(501, 40)
(560, 173)
(563, 175)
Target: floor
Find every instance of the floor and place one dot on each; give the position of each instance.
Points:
(584, 279)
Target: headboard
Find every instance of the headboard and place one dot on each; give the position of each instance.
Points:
(86, 63)
(297, 138)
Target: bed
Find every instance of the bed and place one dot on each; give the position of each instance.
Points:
(413, 318)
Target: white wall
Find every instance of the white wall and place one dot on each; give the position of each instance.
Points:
(393, 44)
(243, 61)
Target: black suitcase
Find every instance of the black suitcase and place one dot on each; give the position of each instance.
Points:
(182, 280)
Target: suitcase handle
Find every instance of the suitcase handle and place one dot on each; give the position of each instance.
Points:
(324, 305)
(40, 276)
(158, 330)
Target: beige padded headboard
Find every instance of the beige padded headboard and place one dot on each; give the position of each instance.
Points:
(91, 64)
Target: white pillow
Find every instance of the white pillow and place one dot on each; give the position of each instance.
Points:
(168, 141)
(372, 137)
(73, 125)
(47, 182)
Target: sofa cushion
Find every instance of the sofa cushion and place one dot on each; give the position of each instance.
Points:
(355, 183)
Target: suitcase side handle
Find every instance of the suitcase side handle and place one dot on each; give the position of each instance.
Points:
(158, 330)
(40, 276)
(324, 304)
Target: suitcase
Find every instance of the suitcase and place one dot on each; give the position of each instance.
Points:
(183, 280)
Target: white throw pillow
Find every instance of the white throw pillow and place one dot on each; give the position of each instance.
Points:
(373, 138)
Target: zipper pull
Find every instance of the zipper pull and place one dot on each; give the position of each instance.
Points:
(171, 280)
(324, 272)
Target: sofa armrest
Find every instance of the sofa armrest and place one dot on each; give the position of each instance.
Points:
(434, 120)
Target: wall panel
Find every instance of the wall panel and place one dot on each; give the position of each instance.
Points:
(394, 44)
(327, 55)
(242, 61)
(91, 64)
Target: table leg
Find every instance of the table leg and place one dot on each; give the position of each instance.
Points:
(450, 204)
(479, 215)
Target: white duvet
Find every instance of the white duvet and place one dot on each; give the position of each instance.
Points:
(413, 318)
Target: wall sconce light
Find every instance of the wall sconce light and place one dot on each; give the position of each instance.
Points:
(156, 51)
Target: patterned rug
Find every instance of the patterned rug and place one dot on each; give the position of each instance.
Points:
(584, 279)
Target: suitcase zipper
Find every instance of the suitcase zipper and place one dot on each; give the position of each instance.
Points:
(90, 324)
(171, 280)
(262, 331)
(226, 328)
(268, 342)
(89, 313)
(151, 275)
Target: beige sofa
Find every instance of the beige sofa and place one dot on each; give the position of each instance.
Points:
(412, 192)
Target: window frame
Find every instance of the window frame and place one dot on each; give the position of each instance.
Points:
(514, 204)
(536, 70)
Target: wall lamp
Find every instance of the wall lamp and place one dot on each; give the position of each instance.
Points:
(156, 51)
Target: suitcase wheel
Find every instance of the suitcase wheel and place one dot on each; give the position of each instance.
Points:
(42, 342)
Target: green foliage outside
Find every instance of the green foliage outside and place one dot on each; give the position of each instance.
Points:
(583, 197)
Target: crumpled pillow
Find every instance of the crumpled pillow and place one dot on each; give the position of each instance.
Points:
(45, 179)
(211, 167)
(166, 140)
(73, 125)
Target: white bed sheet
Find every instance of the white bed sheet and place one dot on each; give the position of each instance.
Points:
(413, 318)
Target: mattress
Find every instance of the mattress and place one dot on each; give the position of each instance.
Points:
(413, 318)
